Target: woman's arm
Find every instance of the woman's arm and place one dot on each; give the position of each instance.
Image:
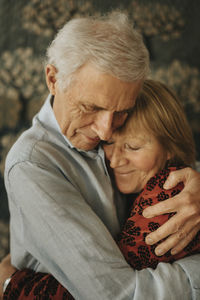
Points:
(182, 227)
(6, 271)
(27, 284)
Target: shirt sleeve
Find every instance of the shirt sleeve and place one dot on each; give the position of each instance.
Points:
(59, 229)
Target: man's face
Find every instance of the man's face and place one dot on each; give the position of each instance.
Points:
(93, 106)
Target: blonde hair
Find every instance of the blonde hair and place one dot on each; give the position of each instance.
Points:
(159, 112)
(109, 42)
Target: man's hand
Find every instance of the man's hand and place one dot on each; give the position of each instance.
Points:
(183, 226)
(6, 271)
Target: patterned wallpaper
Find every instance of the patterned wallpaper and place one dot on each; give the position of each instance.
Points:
(170, 31)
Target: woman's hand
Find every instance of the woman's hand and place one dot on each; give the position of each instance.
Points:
(6, 271)
(184, 225)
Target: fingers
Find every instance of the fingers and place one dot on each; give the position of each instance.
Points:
(179, 238)
(170, 227)
(185, 241)
(177, 242)
(166, 206)
(182, 227)
(184, 201)
(175, 177)
(189, 197)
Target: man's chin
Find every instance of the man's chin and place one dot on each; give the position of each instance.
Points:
(85, 146)
(83, 142)
(90, 147)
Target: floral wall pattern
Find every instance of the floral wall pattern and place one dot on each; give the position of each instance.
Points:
(170, 31)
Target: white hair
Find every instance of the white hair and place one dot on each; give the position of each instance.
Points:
(109, 42)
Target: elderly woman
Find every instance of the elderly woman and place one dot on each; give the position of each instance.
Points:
(155, 140)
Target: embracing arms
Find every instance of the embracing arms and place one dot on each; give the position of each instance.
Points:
(75, 246)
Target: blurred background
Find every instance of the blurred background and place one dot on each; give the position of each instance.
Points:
(171, 32)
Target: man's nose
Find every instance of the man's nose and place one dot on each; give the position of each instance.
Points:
(103, 125)
(117, 158)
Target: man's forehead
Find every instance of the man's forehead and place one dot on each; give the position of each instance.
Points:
(105, 91)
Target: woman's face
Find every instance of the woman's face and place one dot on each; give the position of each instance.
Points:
(134, 159)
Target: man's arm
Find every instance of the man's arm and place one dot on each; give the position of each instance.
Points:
(39, 284)
(185, 224)
(59, 233)
(63, 234)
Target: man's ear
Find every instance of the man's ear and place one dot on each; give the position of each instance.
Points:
(50, 72)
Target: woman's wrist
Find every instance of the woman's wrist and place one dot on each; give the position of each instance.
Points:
(6, 283)
(6, 271)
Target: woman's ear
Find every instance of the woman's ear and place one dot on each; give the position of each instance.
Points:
(170, 159)
(169, 156)
(50, 72)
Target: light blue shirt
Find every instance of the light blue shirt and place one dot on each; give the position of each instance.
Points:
(65, 216)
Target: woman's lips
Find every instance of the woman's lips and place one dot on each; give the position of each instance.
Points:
(121, 173)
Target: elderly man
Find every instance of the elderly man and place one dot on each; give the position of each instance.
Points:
(65, 213)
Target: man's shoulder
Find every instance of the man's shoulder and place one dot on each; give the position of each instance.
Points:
(41, 146)
(23, 148)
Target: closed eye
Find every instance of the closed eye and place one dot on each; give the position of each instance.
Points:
(123, 112)
(131, 148)
(120, 113)
(107, 143)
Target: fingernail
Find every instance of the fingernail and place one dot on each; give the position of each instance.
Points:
(159, 252)
(145, 214)
(166, 186)
(149, 241)
(173, 252)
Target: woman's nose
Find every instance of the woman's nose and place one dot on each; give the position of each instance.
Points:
(117, 158)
